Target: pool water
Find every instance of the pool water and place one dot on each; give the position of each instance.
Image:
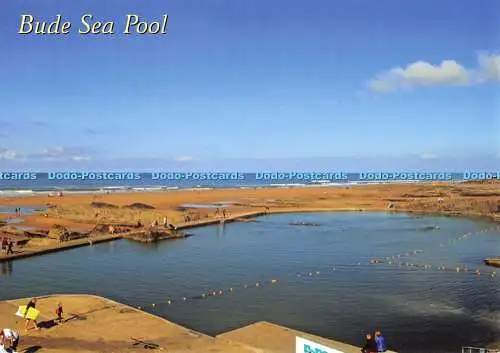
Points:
(418, 310)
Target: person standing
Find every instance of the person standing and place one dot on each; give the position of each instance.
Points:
(380, 340)
(11, 337)
(31, 304)
(59, 312)
(9, 247)
(370, 345)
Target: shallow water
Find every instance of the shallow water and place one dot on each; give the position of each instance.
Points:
(14, 220)
(195, 205)
(209, 205)
(26, 210)
(418, 310)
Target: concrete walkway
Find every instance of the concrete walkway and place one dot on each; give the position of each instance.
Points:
(21, 253)
(94, 324)
(268, 337)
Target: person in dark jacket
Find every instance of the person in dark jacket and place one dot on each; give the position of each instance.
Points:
(31, 304)
(380, 341)
(59, 312)
(10, 246)
(370, 344)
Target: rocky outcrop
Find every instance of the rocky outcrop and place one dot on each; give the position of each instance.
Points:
(98, 204)
(37, 233)
(308, 224)
(154, 236)
(492, 262)
(111, 228)
(60, 233)
(139, 206)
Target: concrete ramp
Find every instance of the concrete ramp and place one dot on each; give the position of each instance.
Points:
(270, 338)
(93, 324)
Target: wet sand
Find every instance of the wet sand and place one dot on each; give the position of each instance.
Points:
(95, 324)
(75, 211)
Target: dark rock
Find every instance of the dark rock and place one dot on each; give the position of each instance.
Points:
(98, 204)
(60, 233)
(139, 206)
(309, 224)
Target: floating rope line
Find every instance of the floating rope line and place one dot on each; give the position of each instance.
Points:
(389, 261)
(449, 269)
(327, 272)
(395, 259)
(210, 293)
(470, 234)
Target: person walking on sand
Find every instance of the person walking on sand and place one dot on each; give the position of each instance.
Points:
(31, 304)
(10, 337)
(9, 247)
(59, 312)
(380, 340)
(370, 345)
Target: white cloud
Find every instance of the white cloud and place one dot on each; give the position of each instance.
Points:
(489, 67)
(8, 154)
(448, 72)
(61, 153)
(428, 156)
(52, 152)
(184, 159)
(80, 158)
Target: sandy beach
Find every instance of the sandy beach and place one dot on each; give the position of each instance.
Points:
(82, 212)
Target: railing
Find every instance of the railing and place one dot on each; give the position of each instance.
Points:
(479, 350)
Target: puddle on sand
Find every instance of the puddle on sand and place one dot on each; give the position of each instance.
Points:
(15, 220)
(25, 228)
(194, 205)
(26, 210)
(208, 205)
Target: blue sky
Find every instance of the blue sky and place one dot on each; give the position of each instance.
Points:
(249, 85)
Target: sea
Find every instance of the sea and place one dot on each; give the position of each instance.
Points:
(18, 184)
